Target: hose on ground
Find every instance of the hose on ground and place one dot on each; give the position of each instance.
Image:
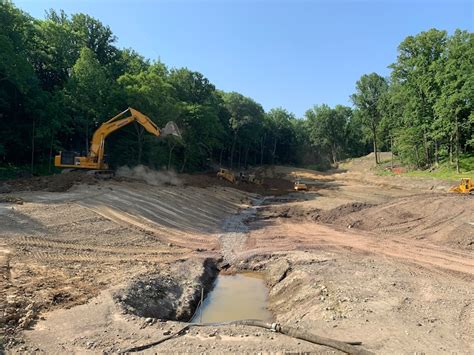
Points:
(345, 346)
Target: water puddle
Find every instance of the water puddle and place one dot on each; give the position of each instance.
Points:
(235, 297)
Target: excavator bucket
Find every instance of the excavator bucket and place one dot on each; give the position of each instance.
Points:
(171, 129)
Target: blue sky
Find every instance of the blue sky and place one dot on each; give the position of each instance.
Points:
(292, 54)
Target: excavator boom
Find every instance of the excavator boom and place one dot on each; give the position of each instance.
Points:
(95, 158)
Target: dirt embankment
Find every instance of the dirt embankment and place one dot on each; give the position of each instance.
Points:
(269, 186)
(444, 219)
(51, 183)
(58, 250)
(63, 182)
(299, 212)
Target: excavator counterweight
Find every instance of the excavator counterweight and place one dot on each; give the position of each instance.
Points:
(95, 158)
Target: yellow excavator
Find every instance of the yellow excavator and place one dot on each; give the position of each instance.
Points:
(95, 158)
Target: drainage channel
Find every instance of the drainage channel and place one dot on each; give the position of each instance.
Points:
(235, 297)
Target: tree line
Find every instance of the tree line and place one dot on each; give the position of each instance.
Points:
(62, 76)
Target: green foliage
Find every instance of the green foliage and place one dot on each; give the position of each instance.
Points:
(62, 76)
(329, 130)
(370, 91)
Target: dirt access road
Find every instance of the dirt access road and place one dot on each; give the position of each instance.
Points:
(387, 261)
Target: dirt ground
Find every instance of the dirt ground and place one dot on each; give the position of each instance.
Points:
(386, 261)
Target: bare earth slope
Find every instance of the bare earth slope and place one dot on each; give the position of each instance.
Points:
(388, 262)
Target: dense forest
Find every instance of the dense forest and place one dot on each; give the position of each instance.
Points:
(62, 76)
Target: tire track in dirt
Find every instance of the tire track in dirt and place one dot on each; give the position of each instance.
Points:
(285, 236)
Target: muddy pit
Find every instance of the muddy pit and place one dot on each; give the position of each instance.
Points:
(177, 295)
(171, 294)
(235, 297)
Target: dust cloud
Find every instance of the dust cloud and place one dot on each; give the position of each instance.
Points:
(151, 177)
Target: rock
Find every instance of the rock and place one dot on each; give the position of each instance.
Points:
(167, 332)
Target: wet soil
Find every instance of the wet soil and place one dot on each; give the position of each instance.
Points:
(171, 295)
(235, 297)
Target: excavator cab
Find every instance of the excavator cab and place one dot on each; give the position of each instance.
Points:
(66, 158)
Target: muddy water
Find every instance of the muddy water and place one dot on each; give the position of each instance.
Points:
(235, 297)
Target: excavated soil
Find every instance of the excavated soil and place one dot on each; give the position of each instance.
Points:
(438, 218)
(171, 295)
(52, 183)
(270, 186)
(102, 266)
(299, 212)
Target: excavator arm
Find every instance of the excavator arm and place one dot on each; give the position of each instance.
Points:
(95, 158)
(115, 123)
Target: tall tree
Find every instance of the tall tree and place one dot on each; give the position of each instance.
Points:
(327, 128)
(369, 90)
(415, 73)
(282, 134)
(87, 95)
(244, 112)
(455, 77)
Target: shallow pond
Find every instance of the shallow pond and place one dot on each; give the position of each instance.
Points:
(235, 297)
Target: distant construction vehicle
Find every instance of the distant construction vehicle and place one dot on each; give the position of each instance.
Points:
(95, 157)
(227, 175)
(299, 186)
(465, 187)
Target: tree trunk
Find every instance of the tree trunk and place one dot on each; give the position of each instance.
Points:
(169, 156)
(246, 156)
(274, 151)
(450, 149)
(262, 148)
(220, 156)
(391, 152)
(417, 156)
(232, 149)
(140, 132)
(184, 162)
(50, 152)
(457, 146)
(33, 147)
(374, 133)
(436, 153)
(426, 147)
(240, 153)
(87, 137)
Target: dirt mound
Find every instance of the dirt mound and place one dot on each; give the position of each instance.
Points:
(338, 212)
(52, 183)
(441, 218)
(299, 212)
(269, 186)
